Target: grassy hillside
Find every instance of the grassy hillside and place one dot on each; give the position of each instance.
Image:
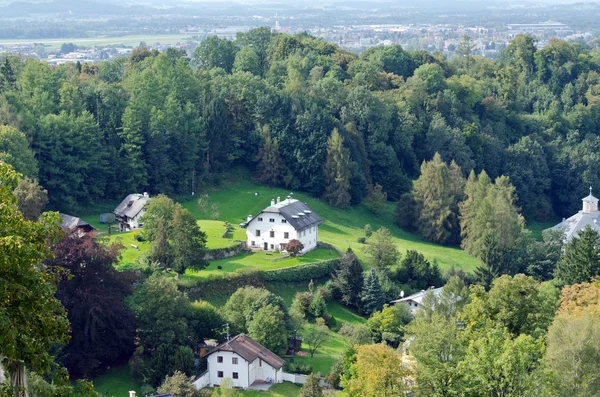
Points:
(341, 227)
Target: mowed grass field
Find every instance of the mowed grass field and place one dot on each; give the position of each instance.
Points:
(341, 227)
(116, 382)
(259, 260)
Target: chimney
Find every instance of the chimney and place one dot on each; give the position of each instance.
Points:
(131, 393)
(278, 199)
(249, 218)
(146, 194)
(272, 203)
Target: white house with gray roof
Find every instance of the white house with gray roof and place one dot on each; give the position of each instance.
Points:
(415, 301)
(281, 222)
(129, 212)
(589, 215)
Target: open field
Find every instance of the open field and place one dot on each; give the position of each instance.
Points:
(116, 382)
(341, 227)
(260, 260)
(131, 41)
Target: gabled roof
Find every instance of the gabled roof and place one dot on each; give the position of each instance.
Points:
(250, 350)
(296, 213)
(132, 205)
(71, 223)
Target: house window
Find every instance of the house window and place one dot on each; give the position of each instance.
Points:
(257, 233)
(219, 359)
(220, 374)
(272, 246)
(283, 221)
(234, 360)
(272, 233)
(253, 243)
(260, 219)
(286, 235)
(234, 375)
(272, 220)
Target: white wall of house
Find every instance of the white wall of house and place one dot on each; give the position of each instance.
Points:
(309, 238)
(273, 230)
(132, 223)
(228, 368)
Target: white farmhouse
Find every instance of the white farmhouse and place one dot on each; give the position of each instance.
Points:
(244, 361)
(129, 212)
(415, 301)
(281, 222)
(588, 216)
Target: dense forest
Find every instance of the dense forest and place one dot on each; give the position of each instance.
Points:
(167, 122)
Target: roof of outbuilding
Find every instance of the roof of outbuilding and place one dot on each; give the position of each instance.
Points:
(296, 213)
(250, 350)
(132, 205)
(71, 223)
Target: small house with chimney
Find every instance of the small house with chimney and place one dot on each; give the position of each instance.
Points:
(281, 222)
(244, 361)
(588, 216)
(129, 212)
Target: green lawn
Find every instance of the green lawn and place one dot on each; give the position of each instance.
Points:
(537, 228)
(341, 227)
(333, 348)
(285, 389)
(116, 382)
(214, 232)
(260, 260)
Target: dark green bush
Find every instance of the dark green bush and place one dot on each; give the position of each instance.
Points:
(295, 368)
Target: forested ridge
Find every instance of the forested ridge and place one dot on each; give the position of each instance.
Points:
(168, 123)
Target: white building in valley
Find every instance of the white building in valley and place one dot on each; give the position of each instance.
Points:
(281, 222)
(129, 212)
(588, 216)
(415, 301)
(244, 361)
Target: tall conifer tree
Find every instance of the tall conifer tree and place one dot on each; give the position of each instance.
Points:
(337, 171)
(437, 193)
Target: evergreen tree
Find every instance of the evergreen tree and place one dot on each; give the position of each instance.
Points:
(271, 168)
(348, 279)
(311, 387)
(490, 208)
(465, 49)
(437, 193)
(337, 171)
(581, 260)
(372, 297)
(7, 76)
(406, 217)
(491, 259)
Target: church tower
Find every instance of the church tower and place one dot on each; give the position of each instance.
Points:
(590, 203)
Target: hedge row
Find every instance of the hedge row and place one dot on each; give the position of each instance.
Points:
(228, 283)
(305, 272)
